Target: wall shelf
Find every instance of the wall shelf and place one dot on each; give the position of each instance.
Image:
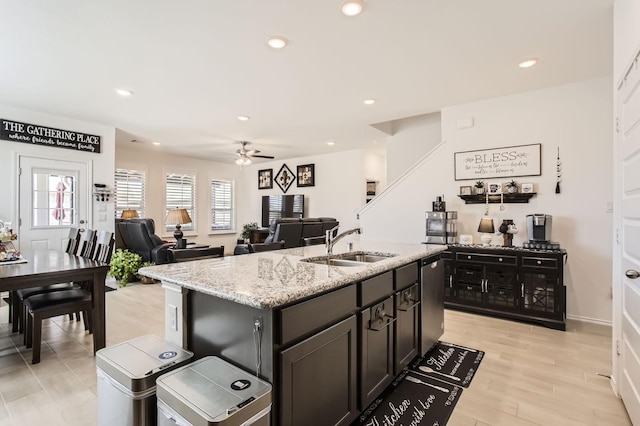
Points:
(518, 197)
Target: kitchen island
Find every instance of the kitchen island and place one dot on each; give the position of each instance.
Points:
(329, 337)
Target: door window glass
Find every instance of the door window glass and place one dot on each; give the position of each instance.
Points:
(53, 199)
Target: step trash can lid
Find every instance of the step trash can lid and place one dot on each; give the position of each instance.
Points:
(137, 363)
(214, 392)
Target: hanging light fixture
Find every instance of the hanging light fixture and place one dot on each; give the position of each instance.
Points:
(243, 160)
(486, 226)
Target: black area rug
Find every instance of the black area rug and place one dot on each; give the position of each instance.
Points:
(425, 396)
(452, 363)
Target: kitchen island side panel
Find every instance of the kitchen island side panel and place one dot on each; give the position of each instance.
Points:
(228, 329)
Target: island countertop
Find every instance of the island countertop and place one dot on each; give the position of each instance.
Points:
(271, 279)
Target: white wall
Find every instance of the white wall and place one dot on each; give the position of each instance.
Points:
(339, 189)
(577, 119)
(412, 138)
(156, 164)
(102, 162)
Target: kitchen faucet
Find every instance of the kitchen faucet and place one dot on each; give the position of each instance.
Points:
(331, 240)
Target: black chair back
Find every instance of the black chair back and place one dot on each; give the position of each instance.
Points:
(105, 241)
(72, 241)
(256, 248)
(86, 243)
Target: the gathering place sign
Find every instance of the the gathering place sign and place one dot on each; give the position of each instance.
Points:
(46, 136)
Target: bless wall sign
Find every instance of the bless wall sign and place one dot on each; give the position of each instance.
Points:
(15, 131)
(522, 160)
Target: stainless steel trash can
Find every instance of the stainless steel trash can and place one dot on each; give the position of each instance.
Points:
(211, 391)
(127, 374)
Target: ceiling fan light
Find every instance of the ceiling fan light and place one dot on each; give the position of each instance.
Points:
(243, 160)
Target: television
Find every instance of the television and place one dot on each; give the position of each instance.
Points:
(277, 206)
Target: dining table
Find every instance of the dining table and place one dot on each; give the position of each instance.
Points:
(42, 267)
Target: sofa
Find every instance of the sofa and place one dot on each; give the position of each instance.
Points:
(296, 232)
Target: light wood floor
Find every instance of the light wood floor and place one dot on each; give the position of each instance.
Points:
(530, 375)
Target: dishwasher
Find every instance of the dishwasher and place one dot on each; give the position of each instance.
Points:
(431, 302)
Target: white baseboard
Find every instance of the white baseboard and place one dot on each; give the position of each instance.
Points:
(591, 320)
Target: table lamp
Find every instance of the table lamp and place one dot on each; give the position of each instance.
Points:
(178, 217)
(129, 214)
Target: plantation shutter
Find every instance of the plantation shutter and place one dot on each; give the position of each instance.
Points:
(129, 191)
(181, 193)
(222, 205)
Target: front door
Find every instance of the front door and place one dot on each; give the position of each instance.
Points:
(53, 197)
(627, 253)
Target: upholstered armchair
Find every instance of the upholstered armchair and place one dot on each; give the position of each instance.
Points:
(138, 236)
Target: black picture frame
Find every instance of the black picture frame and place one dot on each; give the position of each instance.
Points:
(306, 175)
(285, 178)
(265, 179)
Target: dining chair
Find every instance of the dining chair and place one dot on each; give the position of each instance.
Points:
(17, 297)
(80, 299)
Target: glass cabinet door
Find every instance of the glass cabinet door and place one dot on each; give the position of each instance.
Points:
(469, 284)
(539, 292)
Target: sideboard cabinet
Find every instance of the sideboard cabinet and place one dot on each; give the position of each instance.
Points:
(508, 282)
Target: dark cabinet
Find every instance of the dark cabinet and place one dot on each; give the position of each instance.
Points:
(376, 350)
(407, 327)
(509, 282)
(319, 378)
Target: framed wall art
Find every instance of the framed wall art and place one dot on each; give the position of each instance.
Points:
(526, 188)
(265, 179)
(285, 178)
(465, 190)
(495, 188)
(510, 161)
(306, 175)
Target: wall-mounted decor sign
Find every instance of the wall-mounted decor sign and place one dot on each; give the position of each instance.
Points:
(265, 179)
(285, 178)
(16, 131)
(306, 175)
(511, 161)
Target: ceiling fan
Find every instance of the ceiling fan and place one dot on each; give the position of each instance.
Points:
(244, 154)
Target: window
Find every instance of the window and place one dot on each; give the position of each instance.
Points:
(54, 198)
(181, 193)
(222, 205)
(129, 191)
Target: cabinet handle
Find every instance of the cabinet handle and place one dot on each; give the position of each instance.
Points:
(408, 308)
(539, 262)
(522, 290)
(468, 257)
(500, 259)
(386, 324)
(450, 281)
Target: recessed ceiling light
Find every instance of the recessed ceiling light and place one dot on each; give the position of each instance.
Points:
(124, 92)
(369, 101)
(277, 42)
(156, 143)
(331, 143)
(352, 8)
(528, 63)
(243, 117)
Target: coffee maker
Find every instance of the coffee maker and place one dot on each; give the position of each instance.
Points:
(539, 232)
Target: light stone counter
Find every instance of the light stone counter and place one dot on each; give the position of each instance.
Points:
(271, 279)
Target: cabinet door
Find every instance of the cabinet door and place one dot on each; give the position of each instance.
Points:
(501, 288)
(539, 292)
(407, 328)
(469, 284)
(318, 378)
(376, 350)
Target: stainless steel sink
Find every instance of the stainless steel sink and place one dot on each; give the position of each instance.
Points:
(348, 259)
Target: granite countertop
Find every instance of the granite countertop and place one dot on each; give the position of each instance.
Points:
(270, 279)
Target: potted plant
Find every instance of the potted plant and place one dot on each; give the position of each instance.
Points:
(512, 187)
(479, 187)
(124, 265)
(246, 230)
(142, 278)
